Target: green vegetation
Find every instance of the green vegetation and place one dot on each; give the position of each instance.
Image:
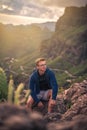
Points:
(3, 85)
(11, 91)
(16, 96)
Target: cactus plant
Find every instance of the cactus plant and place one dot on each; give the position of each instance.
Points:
(11, 90)
(18, 97)
(18, 93)
(3, 85)
(23, 101)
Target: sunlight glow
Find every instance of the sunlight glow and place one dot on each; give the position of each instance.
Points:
(6, 7)
(17, 20)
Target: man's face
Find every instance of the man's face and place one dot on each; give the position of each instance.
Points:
(42, 66)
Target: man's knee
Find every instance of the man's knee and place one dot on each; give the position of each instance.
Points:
(49, 94)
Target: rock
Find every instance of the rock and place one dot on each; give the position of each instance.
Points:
(77, 123)
(52, 117)
(79, 107)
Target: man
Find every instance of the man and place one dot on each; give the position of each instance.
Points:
(43, 86)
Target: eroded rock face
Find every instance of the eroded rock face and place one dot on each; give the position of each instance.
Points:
(76, 99)
(79, 107)
(75, 91)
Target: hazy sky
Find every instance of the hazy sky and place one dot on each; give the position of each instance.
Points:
(42, 9)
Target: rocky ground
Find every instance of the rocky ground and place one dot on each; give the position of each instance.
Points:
(70, 113)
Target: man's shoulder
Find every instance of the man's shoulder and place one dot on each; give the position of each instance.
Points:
(34, 73)
(49, 71)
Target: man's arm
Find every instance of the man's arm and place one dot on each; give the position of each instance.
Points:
(32, 86)
(54, 85)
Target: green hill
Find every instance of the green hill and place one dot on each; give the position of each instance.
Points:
(20, 46)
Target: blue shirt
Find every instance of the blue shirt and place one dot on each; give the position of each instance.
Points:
(34, 84)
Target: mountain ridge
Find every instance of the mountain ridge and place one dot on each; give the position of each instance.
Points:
(68, 43)
(65, 49)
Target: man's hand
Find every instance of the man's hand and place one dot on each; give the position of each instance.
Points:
(51, 105)
(52, 102)
(40, 104)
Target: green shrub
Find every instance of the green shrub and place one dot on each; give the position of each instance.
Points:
(3, 85)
